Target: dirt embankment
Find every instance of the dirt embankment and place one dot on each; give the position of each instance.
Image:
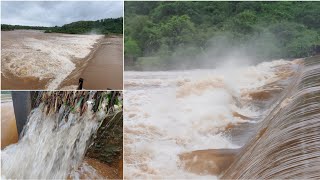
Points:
(105, 154)
(104, 69)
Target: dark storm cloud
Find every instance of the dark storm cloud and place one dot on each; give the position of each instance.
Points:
(53, 13)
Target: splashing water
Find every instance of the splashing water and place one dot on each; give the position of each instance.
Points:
(171, 113)
(41, 55)
(52, 145)
(288, 141)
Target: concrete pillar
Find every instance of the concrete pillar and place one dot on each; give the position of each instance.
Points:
(22, 107)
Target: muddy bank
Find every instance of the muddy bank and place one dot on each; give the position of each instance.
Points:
(104, 170)
(106, 149)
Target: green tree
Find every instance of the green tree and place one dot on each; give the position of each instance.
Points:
(132, 49)
(180, 31)
(177, 31)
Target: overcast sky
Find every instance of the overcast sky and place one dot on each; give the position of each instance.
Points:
(40, 13)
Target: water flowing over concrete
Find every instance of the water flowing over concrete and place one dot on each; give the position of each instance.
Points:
(287, 141)
(54, 141)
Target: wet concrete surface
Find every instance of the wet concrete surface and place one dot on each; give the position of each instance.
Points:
(105, 69)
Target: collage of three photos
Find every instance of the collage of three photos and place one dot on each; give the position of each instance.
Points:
(160, 90)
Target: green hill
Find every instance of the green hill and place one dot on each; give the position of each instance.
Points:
(103, 26)
(185, 31)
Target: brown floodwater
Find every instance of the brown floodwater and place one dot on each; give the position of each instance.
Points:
(198, 121)
(17, 83)
(9, 133)
(113, 171)
(32, 59)
(210, 161)
(94, 169)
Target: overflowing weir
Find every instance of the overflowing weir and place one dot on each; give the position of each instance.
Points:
(286, 144)
(247, 122)
(56, 136)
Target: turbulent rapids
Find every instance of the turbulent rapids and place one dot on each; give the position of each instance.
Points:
(231, 122)
(41, 59)
(57, 135)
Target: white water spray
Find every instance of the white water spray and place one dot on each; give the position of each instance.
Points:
(51, 147)
(170, 113)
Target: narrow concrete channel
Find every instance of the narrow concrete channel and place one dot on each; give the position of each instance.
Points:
(104, 71)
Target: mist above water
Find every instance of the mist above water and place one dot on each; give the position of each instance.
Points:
(169, 113)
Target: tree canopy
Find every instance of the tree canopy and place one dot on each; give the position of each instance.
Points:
(8, 27)
(103, 26)
(183, 31)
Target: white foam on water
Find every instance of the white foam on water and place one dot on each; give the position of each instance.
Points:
(46, 58)
(169, 113)
(50, 149)
(85, 171)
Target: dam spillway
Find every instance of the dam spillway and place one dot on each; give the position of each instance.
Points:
(248, 122)
(286, 144)
(59, 131)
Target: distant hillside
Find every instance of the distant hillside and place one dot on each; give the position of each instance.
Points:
(8, 27)
(103, 26)
(170, 33)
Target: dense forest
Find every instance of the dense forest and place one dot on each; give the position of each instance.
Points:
(103, 26)
(163, 34)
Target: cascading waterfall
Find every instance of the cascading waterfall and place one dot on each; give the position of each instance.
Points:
(287, 141)
(56, 136)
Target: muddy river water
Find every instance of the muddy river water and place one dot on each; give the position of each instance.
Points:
(177, 122)
(37, 60)
(9, 134)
